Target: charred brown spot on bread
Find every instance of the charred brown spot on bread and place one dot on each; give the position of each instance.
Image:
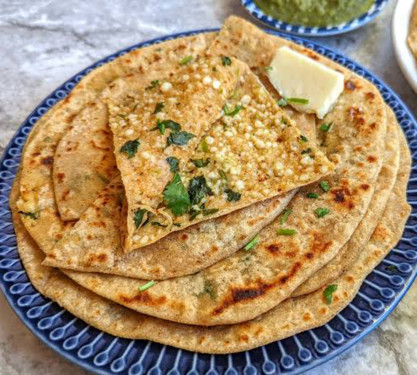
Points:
(93, 258)
(350, 85)
(98, 147)
(381, 232)
(372, 158)
(365, 187)
(47, 161)
(370, 96)
(184, 237)
(373, 126)
(311, 54)
(65, 195)
(307, 317)
(290, 254)
(309, 255)
(323, 310)
(142, 298)
(71, 118)
(356, 115)
(273, 248)
(214, 249)
(61, 177)
(244, 338)
(89, 237)
(349, 279)
(319, 245)
(98, 223)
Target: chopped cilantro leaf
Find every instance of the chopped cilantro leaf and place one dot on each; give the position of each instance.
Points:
(328, 293)
(204, 146)
(228, 112)
(130, 148)
(226, 61)
(268, 68)
(186, 60)
(139, 216)
(158, 224)
(209, 289)
(159, 107)
(146, 286)
(194, 213)
(173, 163)
(222, 175)
(232, 196)
(153, 84)
(282, 102)
(210, 211)
(312, 195)
(167, 124)
(176, 196)
(200, 163)
(32, 215)
(303, 138)
(251, 244)
(306, 151)
(198, 189)
(324, 186)
(321, 212)
(286, 232)
(179, 138)
(285, 216)
(297, 100)
(326, 127)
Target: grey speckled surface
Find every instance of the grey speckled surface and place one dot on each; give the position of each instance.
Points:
(44, 42)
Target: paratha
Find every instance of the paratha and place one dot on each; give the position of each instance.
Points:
(218, 168)
(293, 316)
(247, 284)
(351, 250)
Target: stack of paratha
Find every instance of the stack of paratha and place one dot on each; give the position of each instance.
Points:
(172, 197)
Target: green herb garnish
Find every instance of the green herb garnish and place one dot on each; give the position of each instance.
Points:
(186, 60)
(204, 146)
(251, 244)
(158, 224)
(167, 124)
(303, 138)
(297, 100)
(312, 195)
(209, 289)
(179, 138)
(286, 232)
(198, 189)
(222, 175)
(232, 196)
(159, 107)
(32, 215)
(146, 286)
(153, 84)
(226, 61)
(200, 163)
(321, 212)
(268, 68)
(324, 186)
(130, 148)
(326, 127)
(139, 216)
(285, 216)
(176, 197)
(306, 151)
(282, 102)
(173, 163)
(228, 112)
(194, 213)
(210, 211)
(328, 293)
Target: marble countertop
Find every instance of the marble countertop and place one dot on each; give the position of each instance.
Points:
(44, 42)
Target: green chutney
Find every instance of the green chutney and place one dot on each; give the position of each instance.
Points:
(312, 13)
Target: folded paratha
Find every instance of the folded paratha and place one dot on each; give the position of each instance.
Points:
(293, 316)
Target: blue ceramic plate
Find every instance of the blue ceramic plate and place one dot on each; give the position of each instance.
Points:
(273, 23)
(101, 353)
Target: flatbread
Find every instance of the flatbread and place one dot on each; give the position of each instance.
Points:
(293, 316)
(37, 191)
(351, 250)
(247, 284)
(237, 167)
